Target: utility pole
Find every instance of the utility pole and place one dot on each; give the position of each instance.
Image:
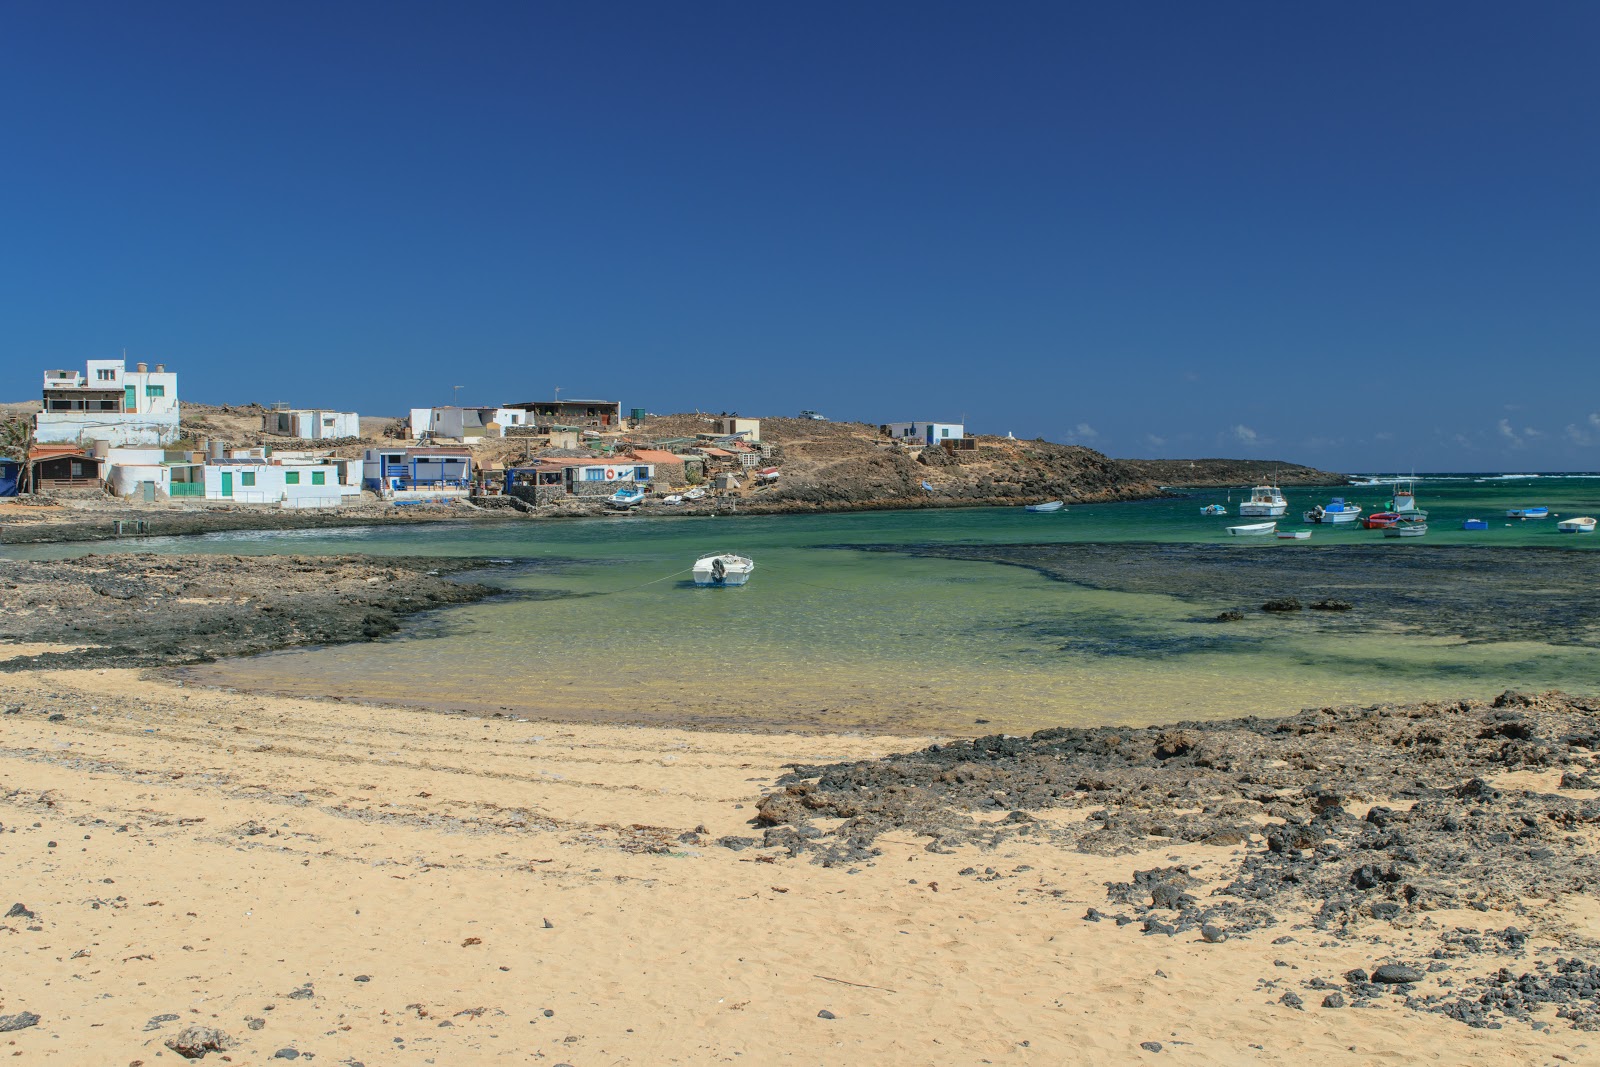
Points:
(558, 394)
(457, 388)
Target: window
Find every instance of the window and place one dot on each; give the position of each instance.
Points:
(155, 390)
(944, 432)
(106, 374)
(247, 478)
(594, 474)
(641, 474)
(327, 422)
(77, 469)
(319, 477)
(292, 478)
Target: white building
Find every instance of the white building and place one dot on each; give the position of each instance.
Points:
(311, 424)
(731, 425)
(464, 424)
(924, 433)
(324, 484)
(109, 403)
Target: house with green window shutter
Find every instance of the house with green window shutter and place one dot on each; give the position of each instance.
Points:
(324, 484)
(109, 403)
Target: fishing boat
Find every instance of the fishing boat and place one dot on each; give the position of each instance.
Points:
(673, 499)
(1582, 524)
(1266, 501)
(1253, 529)
(1335, 512)
(1213, 509)
(625, 498)
(767, 474)
(1404, 502)
(1407, 528)
(1475, 524)
(694, 494)
(723, 569)
(1539, 512)
(1380, 520)
(1294, 535)
(1047, 507)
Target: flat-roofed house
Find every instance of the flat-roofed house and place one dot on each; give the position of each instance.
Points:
(556, 414)
(311, 424)
(109, 403)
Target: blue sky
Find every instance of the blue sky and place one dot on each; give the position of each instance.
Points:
(1361, 235)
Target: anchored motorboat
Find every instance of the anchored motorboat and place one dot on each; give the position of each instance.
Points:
(723, 569)
(1266, 501)
(1336, 511)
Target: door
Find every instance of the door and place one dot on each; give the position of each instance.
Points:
(131, 398)
(227, 483)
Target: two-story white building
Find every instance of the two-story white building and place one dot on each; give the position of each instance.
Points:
(109, 403)
(923, 433)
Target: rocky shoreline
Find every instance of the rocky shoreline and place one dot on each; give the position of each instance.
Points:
(1356, 824)
(149, 610)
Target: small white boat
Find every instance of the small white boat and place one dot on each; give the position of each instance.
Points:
(694, 494)
(1582, 524)
(723, 569)
(1253, 529)
(1294, 535)
(768, 474)
(1266, 501)
(1406, 528)
(1540, 512)
(673, 499)
(626, 498)
(1047, 506)
(1335, 512)
(1213, 509)
(1404, 502)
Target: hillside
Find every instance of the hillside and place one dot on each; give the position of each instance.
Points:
(1206, 472)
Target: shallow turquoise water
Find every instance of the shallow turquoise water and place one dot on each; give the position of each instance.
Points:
(834, 638)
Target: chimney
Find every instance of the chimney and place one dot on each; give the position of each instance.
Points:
(161, 368)
(141, 367)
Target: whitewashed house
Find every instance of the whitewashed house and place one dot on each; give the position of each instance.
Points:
(923, 433)
(323, 484)
(732, 425)
(109, 403)
(311, 424)
(401, 473)
(465, 424)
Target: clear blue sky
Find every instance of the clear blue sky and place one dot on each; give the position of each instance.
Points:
(1359, 235)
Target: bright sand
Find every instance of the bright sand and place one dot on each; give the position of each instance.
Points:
(483, 873)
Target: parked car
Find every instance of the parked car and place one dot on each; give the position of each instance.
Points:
(813, 415)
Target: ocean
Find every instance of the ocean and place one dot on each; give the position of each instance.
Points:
(971, 620)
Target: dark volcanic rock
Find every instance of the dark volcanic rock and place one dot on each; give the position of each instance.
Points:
(1396, 973)
(20, 1021)
(232, 605)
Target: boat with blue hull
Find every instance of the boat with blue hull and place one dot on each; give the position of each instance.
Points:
(1335, 512)
(1538, 512)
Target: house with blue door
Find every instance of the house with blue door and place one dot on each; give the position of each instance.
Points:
(396, 473)
(10, 475)
(923, 433)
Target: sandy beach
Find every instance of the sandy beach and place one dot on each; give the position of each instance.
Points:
(371, 885)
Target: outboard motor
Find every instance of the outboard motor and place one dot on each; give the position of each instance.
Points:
(719, 573)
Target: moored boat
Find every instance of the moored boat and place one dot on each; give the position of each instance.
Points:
(694, 494)
(1253, 529)
(1581, 524)
(1380, 520)
(672, 499)
(1336, 511)
(1475, 524)
(768, 474)
(1404, 502)
(1046, 507)
(1407, 528)
(1538, 512)
(1213, 509)
(722, 569)
(1294, 535)
(1266, 501)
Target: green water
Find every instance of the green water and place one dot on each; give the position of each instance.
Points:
(841, 639)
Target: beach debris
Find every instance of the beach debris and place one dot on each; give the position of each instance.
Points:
(20, 1021)
(194, 1042)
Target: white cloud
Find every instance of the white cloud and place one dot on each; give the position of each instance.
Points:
(1153, 441)
(1383, 435)
(1244, 434)
(1509, 432)
(1594, 419)
(1082, 432)
(1463, 441)
(1577, 435)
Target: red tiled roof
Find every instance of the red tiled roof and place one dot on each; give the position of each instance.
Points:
(656, 455)
(716, 453)
(38, 452)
